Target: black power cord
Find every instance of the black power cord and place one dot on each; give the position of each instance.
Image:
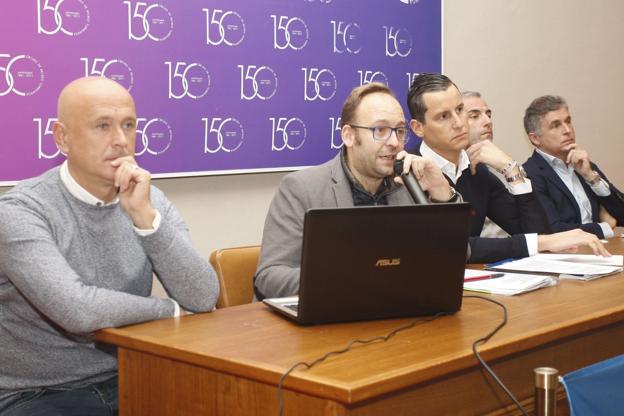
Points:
(391, 334)
(485, 339)
(380, 338)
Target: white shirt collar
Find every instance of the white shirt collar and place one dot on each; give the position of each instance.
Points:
(448, 168)
(552, 160)
(78, 191)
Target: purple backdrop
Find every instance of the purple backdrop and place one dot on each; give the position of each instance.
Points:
(221, 86)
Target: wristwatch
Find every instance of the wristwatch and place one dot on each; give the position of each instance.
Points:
(508, 167)
(521, 175)
(454, 197)
(596, 180)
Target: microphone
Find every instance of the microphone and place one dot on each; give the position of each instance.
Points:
(411, 183)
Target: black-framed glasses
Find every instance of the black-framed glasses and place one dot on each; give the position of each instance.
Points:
(383, 133)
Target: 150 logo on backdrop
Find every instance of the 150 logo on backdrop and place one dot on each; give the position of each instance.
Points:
(148, 21)
(23, 75)
(410, 78)
(46, 146)
(347, 37)
(398, 42)
(257, 82)
(224, 27)
(154, 136)
(228, 134)
(70, 17)
(193, 80)
(336, 133)
(287, 133)
(289, 32)
(366, 77)
(115, 69)
(319, 84)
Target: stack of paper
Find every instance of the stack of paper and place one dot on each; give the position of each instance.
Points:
(510, 284)
(567, 266)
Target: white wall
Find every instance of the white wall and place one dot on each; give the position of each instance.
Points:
(516, 50)
(510, 50)
(223, 211)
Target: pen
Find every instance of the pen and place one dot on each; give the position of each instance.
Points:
(484, 277)
(499, 263)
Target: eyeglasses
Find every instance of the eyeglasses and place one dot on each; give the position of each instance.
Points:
(383, 133)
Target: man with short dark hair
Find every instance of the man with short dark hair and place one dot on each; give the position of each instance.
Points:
(574, 192)
(374, 132)
(438, 116)
(480, 128)
(78, 248)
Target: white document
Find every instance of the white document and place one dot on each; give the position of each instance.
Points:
(569, 265)
(615, 260)
(510, 284)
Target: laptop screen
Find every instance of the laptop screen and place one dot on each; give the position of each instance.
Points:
(377, 262)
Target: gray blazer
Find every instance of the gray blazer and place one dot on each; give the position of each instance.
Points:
(323, 186)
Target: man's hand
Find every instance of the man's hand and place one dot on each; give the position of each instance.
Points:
(606, 217)
(134, 191)
(569, 242)
(488, 153)
(428, 174)
(579, 159)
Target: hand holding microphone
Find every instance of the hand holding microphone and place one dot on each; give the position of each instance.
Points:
(423, 175)
(411, 184)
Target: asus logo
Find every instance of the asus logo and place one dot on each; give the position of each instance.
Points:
(388, 262)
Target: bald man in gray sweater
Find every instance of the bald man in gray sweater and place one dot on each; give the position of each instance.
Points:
(78, 248)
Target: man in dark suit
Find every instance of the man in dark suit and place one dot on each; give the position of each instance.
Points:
(480, 128)
(572, 190)
(438, 116)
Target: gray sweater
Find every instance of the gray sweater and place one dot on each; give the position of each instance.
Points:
(68, 268)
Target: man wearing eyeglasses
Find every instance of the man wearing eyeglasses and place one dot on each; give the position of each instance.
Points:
(439, 117)
(374, 133)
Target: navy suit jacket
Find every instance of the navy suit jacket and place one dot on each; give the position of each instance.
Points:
(516, 214)
(562, 210)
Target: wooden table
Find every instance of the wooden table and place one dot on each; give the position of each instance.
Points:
(229, 362)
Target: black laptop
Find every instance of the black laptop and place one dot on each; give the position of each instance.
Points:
(366, 263)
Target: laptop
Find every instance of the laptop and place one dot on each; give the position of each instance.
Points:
(377, 262)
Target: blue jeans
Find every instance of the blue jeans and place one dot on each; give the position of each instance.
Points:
(99, 399)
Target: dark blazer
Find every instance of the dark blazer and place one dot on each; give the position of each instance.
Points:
(516, 214)
(562, 210)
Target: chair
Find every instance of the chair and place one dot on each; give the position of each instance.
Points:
(597, 389)
(235, 269)
(592, 390)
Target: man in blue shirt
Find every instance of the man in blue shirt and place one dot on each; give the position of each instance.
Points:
(571, 188)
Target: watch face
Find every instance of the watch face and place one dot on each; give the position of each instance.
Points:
(454, 195)
(521, 175)
(522, 171)
(596, 179)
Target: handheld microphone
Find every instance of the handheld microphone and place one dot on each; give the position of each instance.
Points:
(411, 183)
